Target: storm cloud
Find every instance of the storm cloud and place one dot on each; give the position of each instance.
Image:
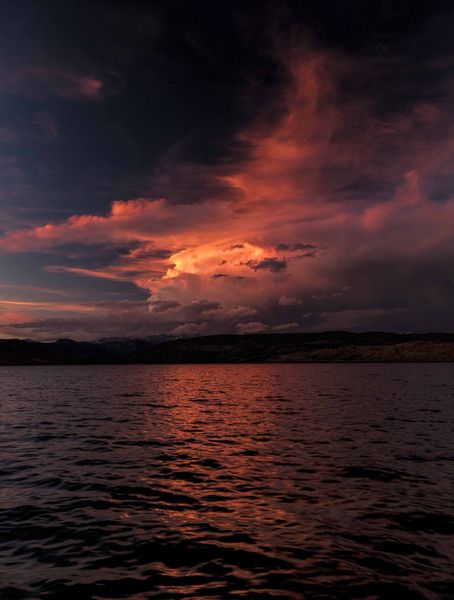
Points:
(328, 204)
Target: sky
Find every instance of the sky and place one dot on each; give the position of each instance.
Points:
(197, 167)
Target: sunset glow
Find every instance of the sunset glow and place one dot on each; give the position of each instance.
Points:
(321, 196)
(226, 299)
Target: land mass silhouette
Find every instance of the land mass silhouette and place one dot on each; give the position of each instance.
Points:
(330, 347)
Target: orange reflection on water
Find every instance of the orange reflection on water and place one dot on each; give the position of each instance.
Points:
(220, 428)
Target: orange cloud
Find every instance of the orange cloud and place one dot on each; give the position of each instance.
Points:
(49, 306)
(305, 179)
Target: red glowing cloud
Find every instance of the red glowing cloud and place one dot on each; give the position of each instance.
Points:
(312, 202)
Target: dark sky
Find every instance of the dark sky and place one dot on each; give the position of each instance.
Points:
(199, 167)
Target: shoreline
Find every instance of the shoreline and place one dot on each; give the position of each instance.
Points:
(323, 348)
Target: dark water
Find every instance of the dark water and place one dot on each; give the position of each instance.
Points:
(278, 481)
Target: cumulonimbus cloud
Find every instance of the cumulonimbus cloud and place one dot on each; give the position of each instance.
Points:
(326, 168)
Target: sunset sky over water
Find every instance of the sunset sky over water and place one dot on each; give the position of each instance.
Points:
(193, 168)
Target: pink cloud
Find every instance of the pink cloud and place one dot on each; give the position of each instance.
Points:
(288, 190)
(191, 329)
(42, 81)
(282, 328)
(49, 306)
(251, 327)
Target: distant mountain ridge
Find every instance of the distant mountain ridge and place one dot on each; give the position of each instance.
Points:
(330, 346)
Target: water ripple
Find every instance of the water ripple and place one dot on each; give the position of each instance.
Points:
(245, 481)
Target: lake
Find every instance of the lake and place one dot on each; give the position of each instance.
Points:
(218, 481)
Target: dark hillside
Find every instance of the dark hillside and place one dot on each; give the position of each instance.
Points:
(332, 346)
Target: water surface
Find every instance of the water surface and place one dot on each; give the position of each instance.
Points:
(241, 481)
